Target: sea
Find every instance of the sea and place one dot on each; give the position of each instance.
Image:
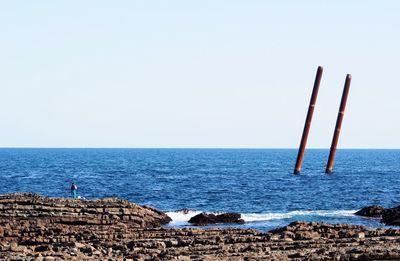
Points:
(257, 183)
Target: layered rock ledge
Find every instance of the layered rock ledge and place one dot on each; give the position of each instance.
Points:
(38, 228)
(63, 211)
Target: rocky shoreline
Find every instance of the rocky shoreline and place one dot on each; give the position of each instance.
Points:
(387, 216)
(41, 228)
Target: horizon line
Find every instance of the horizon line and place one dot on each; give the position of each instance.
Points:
(210, 148)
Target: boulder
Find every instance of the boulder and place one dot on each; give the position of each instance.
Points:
(388, 216)
(204, 219)
(374, 211)
(391, 216)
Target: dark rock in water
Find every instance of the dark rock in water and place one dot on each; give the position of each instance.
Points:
(388, 216)
(204, 219)
(371, 211)
(391, 216)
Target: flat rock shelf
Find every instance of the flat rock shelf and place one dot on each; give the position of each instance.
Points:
(40, 228)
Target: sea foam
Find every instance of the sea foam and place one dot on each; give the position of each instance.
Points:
(182, 217)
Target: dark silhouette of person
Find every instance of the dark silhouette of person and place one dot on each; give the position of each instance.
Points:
(73, 190)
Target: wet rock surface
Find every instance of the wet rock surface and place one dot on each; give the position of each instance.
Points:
(204, 219)
(374, 211)
(33, 229)
(391, 216)
(388, 216)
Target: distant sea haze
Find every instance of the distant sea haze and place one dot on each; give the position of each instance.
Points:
(258, 183)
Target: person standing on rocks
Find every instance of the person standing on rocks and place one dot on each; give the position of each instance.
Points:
(73, 190)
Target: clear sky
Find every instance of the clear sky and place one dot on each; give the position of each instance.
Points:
(197, 73)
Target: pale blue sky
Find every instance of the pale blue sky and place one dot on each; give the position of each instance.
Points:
(197, 73)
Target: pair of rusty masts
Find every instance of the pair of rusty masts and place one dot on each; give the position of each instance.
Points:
(331, 159)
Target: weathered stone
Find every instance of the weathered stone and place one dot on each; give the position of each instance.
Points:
(78, 212)
(371, 211)
(391, 216)
(42, 248)
(388, 216)
(95, 235)
(204, 219)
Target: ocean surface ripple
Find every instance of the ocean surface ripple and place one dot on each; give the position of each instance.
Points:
(255, 182)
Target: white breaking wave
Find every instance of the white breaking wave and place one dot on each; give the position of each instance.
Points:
(297, 213)
(182, 218)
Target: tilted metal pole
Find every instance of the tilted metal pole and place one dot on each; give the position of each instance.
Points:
(331, 159)
(307, 125)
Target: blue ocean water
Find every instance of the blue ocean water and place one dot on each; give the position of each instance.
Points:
(258, 183)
